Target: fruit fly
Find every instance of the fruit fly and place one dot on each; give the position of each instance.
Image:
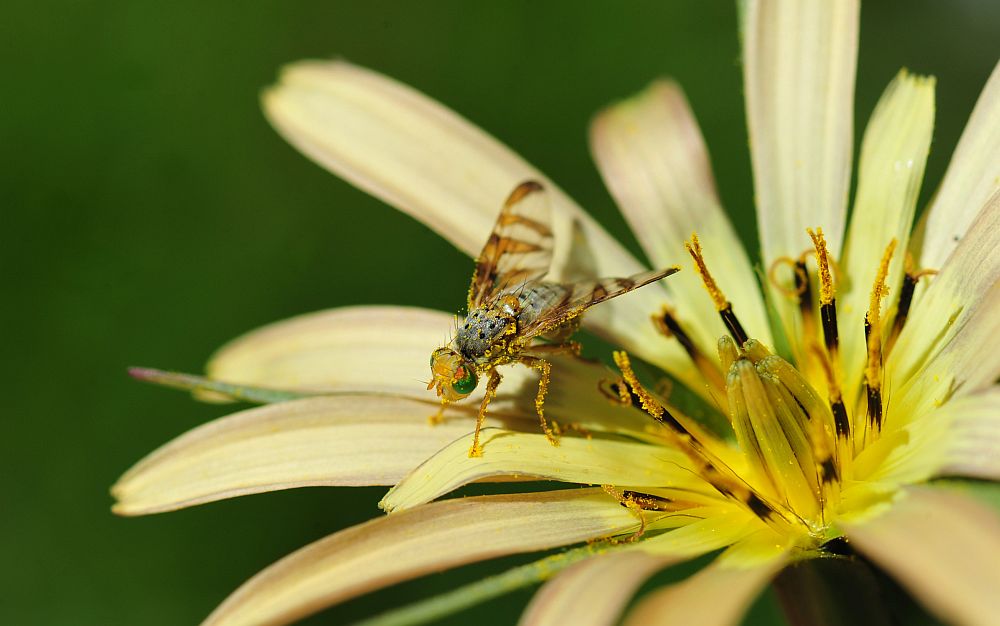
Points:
(510, 308)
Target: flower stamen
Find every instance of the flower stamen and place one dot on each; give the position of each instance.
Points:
(689, 439)
(906, 291)
(722, 305)
(873, 338)
(831, 339)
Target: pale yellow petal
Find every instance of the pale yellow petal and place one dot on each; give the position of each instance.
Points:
(943, 547)
(593, 592)
(653, 159)
(429, 162)
(377, 348)
(701, 530)
(948, 344)
(974, 437)
(956, 438)
(972, 177)
(575, 460)
(893, 155)
(799, 64)
(343, 440)
(431, 538)
(385, 349)
(718, 595)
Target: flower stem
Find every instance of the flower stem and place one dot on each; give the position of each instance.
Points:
(469, 595)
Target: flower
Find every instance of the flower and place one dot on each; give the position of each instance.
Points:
(853, 378)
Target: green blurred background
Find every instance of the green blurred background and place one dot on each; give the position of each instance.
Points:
(150, 214)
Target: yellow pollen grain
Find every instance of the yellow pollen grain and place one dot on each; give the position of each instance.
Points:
(694, 249)
(823, 260)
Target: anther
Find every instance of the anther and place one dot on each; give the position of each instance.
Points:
(828, 317)
(827, 301)
(723, 306)
(910, 280)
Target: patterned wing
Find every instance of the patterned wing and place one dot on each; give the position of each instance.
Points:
(519, 249)
(582, 295)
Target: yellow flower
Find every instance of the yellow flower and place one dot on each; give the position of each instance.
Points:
(864, 369)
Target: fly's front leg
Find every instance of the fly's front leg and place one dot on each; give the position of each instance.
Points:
(545, 368)
(491, 392)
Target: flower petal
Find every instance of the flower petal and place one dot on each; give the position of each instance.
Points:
(399, 547)
(947, 345)
(344, 440)
(429, 162)
(577, 460)
(384, 349)
(893, 155)
(974, 437)
(960, 437)
(972, 177)
(376, 348)
(798, 71)
(943, 547)
(653, 159)
(592, 592)
(799, 64)
(717, 595)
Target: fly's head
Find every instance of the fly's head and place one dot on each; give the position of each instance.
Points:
(453, 377)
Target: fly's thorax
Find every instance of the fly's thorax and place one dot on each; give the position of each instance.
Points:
(485, 334)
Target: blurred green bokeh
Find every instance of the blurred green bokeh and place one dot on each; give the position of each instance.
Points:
(150, 214)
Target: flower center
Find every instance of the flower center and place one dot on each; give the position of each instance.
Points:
(796, 444)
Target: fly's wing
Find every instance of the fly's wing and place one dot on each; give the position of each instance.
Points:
(582, 295)
(519, 249)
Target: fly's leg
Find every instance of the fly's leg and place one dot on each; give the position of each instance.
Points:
(570, 347)
(545, 368)
(491, 391)
(438, 417)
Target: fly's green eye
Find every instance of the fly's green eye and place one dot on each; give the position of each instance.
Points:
(432, 360)
(466, 384)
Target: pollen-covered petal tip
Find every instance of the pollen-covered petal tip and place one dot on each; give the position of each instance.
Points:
(430, 538)
(943, 547)
(324, 441)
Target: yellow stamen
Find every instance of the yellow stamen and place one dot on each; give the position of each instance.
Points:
(823, 260)
(873, 318)
(722, 305)
(694, 249)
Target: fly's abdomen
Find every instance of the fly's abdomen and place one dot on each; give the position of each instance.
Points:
(538, 298)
